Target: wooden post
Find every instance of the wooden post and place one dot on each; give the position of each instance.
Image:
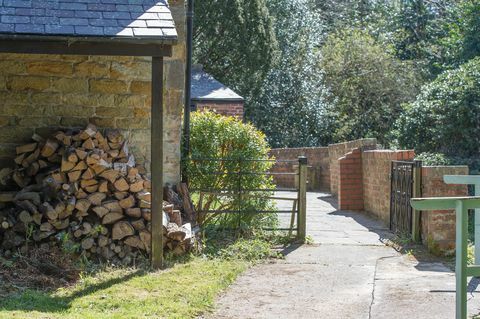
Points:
(462, 270)
(475, 181)
(156, 161)
(461, 259)
(417, 192)
(302, 198)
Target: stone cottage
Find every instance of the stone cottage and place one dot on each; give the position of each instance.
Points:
(40, 93)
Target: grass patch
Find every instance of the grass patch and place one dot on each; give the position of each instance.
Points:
(183, 291)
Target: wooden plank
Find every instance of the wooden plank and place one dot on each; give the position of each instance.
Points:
(444, 203)
(157, 161)
(302, 199)
(475, 181)
(84, 47)
(417, 192)
(461, 260)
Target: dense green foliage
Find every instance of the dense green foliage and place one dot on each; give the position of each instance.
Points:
(225, 146)
(289, 105)
(368, 85)
(335, 70)
(235, 42)
(445, 117)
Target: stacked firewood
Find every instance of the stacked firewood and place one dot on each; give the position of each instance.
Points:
(84, 187)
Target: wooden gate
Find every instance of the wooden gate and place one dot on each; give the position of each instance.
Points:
(405, 185)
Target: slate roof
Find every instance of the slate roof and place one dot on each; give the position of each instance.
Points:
(206, 88)
(126, 19)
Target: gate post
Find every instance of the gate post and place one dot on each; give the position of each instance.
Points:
(416, 193)
(302, 198)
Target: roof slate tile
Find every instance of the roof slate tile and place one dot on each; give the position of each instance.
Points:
(106, 18)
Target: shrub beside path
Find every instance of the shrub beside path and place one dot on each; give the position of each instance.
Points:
(348, 273)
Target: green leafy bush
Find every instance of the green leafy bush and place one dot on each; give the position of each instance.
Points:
(445, 118)
(433, 159)
(215, 137)
(367, 84)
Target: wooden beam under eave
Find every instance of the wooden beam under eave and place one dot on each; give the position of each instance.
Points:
(84, 47)
(156, 162)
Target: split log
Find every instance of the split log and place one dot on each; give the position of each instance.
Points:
(111, 218)
(122, 229)
(49, 148)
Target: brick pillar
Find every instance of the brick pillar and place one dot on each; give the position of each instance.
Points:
(350, 181)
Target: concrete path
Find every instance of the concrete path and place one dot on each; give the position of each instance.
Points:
(348, 273)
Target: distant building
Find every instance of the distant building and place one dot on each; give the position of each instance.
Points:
(208, 93)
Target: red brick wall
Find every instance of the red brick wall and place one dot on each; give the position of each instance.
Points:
(338, 150)
(318, 171)
(227, 109)
(438, 227)
(376, 180)
(350, 182)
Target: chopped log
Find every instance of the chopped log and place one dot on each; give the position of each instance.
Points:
(147, 214)
(88, 144)
(97, 198)
(134, 212)
(111, 218)
(100, 211)
(80, 166)
(146, 239)
(110, 175)
(136, 186)
(135, 242)
(121, 185)
(88, 174)
(103, 187)
(47, 210)
(114, 136)
(102, 241)
(33, 169)
(5, 174)
(61, 224)
(138, 224)
(81, 153)
(74, 176)
(66, 165)
(37, 138)
(19, 159)
(170, 196)
(176, 217)
(42, 164)
(120, 195)
(112, 206)
(86, 183)
(19, 179)
(122, 229)
(145, 204)
(174, 232)
(145, 196)
(37, 218)
(81, 194)
(46, 227)
(127, 202)
(88, 243)
(71, 202)
(31, 158)
(25, 217)
(27, 205)
(87, 228)
(49, 148)
(34, 197)
(188, 208)
(83, 205)
(27, 148)
(6, 197)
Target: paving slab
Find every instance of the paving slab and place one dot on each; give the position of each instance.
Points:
(348, 273)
